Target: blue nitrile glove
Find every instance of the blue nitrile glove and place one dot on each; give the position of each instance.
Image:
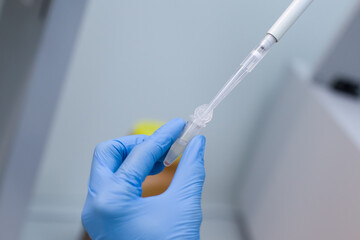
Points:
(114, 208)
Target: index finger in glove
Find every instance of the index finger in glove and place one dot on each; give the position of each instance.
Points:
(141, 160)
(109, 155)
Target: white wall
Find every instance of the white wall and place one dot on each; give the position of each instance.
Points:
(160, 59)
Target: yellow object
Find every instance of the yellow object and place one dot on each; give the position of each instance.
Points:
(147, 127)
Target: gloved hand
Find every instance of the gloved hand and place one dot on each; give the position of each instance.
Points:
(114, 208)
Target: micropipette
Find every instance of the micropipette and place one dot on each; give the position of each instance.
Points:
(204, 113)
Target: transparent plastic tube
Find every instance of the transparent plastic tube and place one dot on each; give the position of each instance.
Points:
(203, 114)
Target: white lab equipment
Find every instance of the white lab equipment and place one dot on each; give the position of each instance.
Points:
(203, 114)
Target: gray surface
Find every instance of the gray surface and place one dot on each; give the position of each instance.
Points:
(37, 109)
(1, 5)
(303, 177)
(20, 32)
(343, 57)
(161, 59)
(346, 111)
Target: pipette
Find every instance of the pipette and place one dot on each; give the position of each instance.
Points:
(204, 113)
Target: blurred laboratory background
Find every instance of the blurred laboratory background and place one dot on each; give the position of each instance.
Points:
(283, 150)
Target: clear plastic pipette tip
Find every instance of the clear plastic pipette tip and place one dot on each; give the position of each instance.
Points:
(203, 114)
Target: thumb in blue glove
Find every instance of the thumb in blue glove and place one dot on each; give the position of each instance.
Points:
(114, 208)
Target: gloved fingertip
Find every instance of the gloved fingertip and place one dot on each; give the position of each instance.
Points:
(190, 174)
(198, 142)
(146, 155)
(202, 139)
(195, 150)
(165, 136)
(177, 121)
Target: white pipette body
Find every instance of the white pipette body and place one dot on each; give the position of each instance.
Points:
(203, 114)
